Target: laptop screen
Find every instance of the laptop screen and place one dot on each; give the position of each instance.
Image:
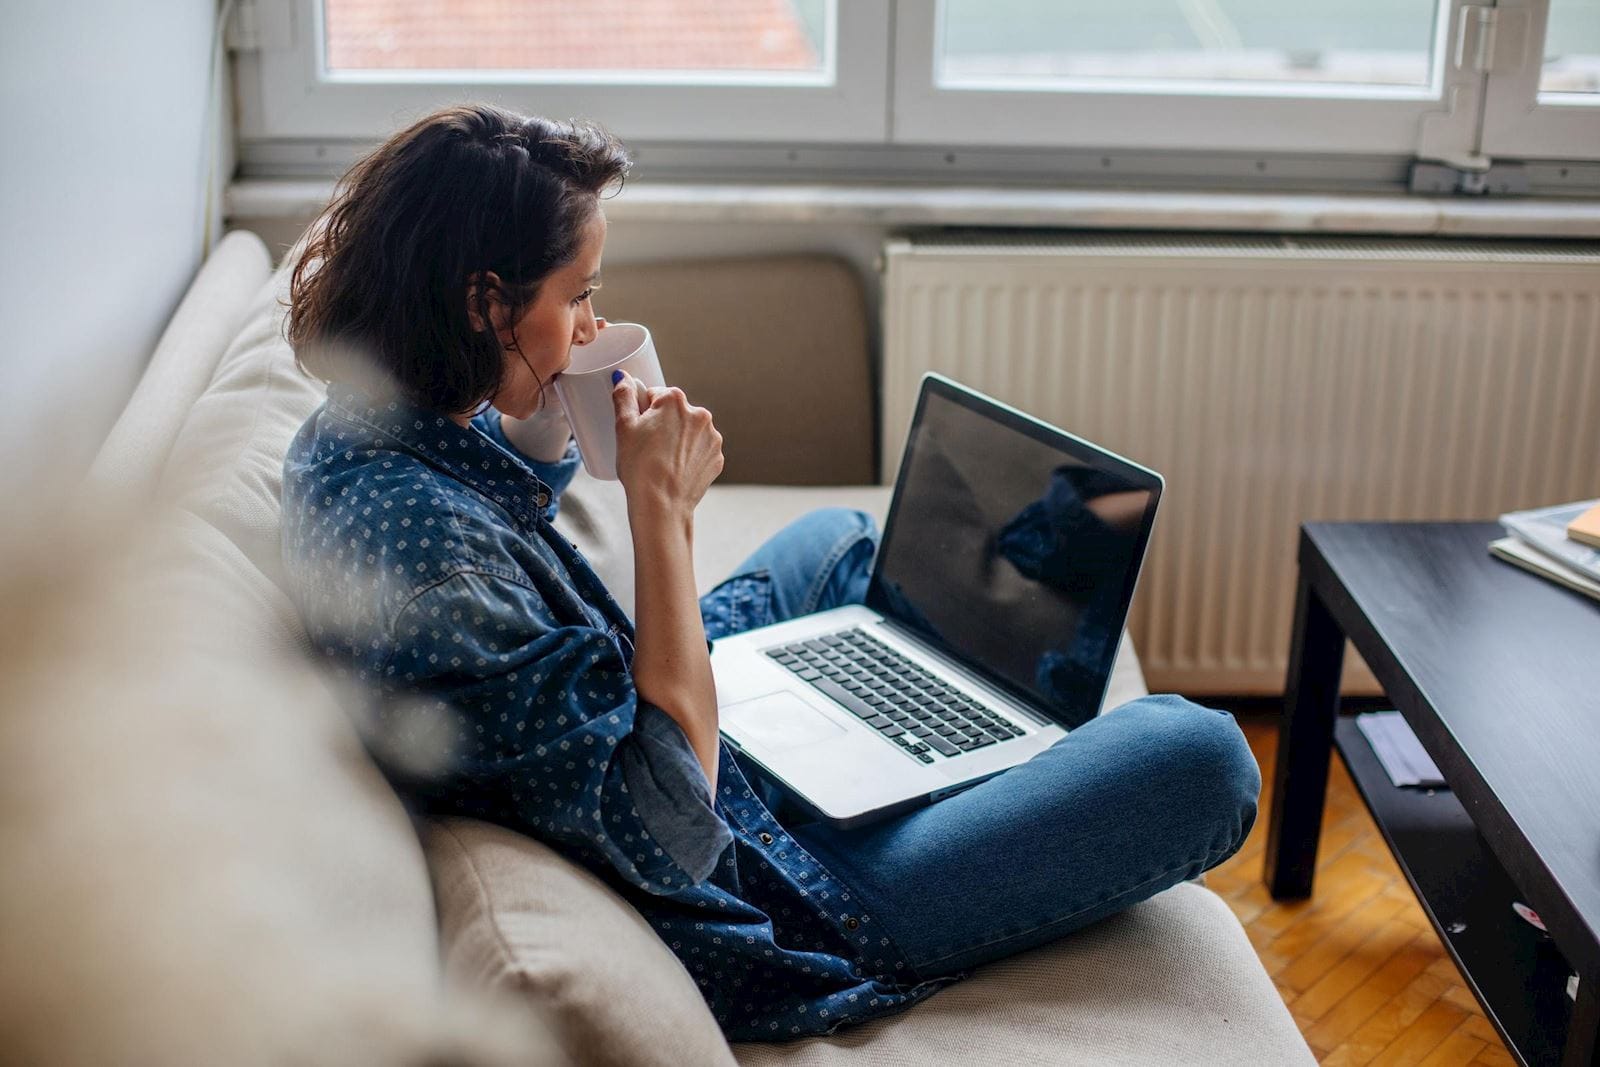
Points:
(1014, 548)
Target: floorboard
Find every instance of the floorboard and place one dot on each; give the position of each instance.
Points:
(1358, 965)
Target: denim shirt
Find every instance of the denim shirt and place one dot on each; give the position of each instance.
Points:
(492, 671)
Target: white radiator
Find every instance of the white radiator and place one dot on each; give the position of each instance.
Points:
(1273, 381)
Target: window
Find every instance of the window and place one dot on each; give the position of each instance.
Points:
(1572, 52)
(1192, 75)
(1199, 44)
(668, 70)
(1460, 81)
(1543, 93)
(754, 41)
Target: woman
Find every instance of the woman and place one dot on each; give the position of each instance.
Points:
(440, 295)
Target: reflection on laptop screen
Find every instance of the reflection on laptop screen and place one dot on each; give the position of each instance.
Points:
(1014, 554)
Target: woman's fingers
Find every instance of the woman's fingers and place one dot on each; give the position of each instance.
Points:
(636, 391)
(657, 394)
(671, 444)
(625, 398)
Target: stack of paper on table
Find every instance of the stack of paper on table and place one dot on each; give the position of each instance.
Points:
(1586, 527)
(1514, 550)
(1540, 544)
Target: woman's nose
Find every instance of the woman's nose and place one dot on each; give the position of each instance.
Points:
(586, 328)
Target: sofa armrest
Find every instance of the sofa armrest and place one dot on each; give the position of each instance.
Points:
(131, 459)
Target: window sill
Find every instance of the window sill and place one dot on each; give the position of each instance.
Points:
(884, 205)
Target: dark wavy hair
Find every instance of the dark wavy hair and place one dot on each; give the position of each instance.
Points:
(386, 275)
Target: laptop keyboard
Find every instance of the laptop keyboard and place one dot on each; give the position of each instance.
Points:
(893, 695)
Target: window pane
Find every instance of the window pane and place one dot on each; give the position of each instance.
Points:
(573, 36)
(1572, 48)
(1363, 42)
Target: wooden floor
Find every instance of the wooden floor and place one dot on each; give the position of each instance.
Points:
(1361, 970)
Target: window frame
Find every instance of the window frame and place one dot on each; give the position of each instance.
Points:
(294, 98)
(1184, 116)
(1518, 121)
(885, 115)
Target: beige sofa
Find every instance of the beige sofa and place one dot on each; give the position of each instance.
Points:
(348, 932)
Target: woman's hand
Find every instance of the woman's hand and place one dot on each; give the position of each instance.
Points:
(668, 451)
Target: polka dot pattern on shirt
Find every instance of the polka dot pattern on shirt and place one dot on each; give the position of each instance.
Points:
(497, 675)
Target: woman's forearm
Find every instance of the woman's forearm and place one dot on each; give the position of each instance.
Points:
(671, 667)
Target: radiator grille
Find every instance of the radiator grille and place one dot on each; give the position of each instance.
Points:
(1273, 381)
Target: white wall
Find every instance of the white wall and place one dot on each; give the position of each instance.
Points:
(102, 165)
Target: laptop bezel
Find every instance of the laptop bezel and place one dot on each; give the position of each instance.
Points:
(934, 384)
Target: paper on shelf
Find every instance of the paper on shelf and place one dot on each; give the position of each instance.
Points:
(1398, 749)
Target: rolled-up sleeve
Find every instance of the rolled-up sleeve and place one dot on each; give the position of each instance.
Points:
(543, 731)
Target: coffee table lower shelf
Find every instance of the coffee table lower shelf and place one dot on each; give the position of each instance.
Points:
(1516, 972)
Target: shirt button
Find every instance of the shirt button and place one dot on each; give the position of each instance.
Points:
(765, 838)
(543, 500)
(852, 923)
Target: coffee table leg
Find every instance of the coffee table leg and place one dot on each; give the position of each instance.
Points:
(1583, 1036)
(1305, 740)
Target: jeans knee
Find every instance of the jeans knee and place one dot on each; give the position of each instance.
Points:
(852, 571)
(823, 560)
(1209, 763)
(836, 524)
(1223, 757)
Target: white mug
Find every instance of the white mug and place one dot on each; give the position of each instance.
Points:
(584, 390)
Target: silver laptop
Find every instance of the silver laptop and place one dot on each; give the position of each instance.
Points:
(997, 599)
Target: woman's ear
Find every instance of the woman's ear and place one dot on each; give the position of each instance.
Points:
(483, 293)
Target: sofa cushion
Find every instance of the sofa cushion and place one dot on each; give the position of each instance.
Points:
(128, 467)
(766, 343)
(343, 846)
(227, 463)
(516, 916)
(201, 866)
(1170, 980)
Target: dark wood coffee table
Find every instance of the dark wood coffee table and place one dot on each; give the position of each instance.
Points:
(1498, 673)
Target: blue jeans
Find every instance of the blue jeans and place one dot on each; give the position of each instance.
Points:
(1132, 802)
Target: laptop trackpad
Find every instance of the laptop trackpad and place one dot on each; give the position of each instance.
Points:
(780, 720)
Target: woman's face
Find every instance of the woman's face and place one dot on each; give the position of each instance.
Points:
(562, 315)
